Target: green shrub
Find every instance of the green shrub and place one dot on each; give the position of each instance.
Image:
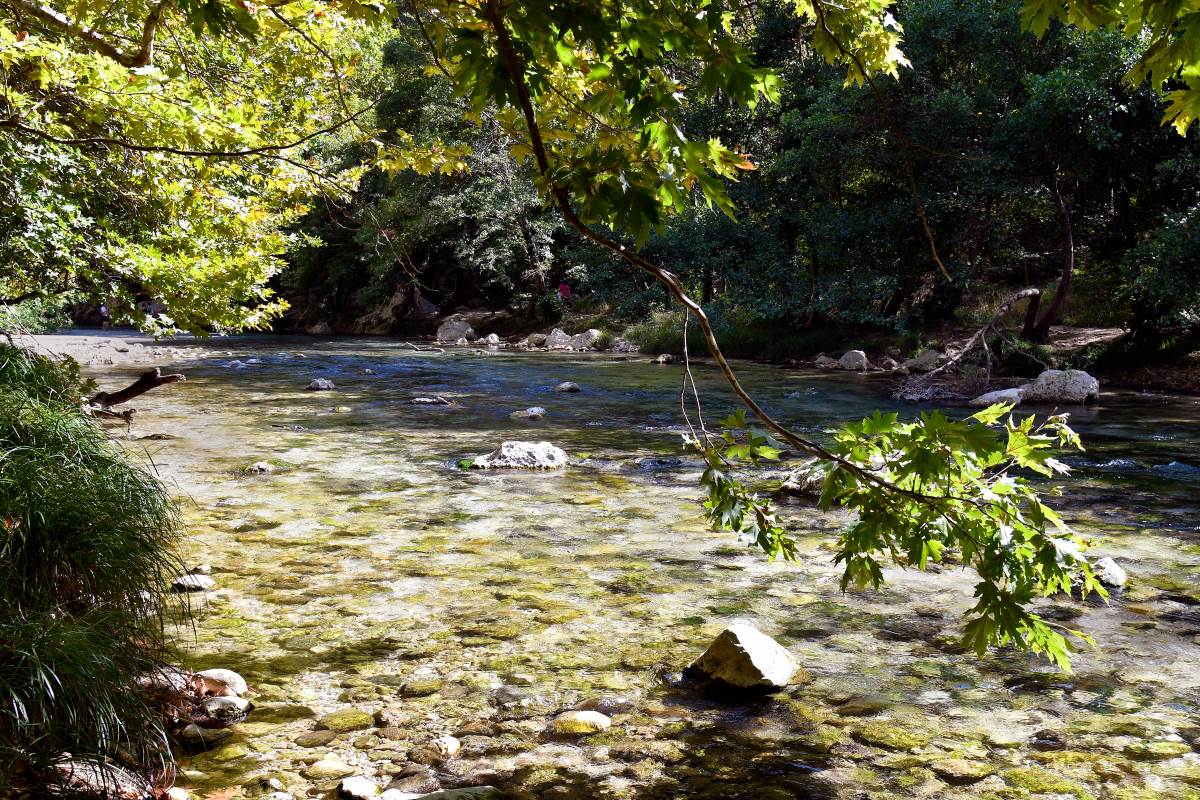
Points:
(35, 316)
(86, 543)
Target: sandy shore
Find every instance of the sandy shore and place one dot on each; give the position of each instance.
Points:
(111, 348)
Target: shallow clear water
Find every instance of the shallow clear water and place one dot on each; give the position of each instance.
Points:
(369, 572)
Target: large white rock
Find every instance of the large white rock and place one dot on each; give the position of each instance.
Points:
(193, 583)
(1110, 573)
(568, 387)
(454, 329)
(557, 338)
(855, 360)
(925, 361)
(322, 385)
(745, 657)
(1072, 386)
(1011, 396)
(357, 789)
(536, 340)
(523, 455)
(586, 340)
(221, 682)
(491, 340)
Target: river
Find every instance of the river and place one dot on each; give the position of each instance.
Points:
(366, 571)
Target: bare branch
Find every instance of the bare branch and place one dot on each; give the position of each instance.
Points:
(151, 379)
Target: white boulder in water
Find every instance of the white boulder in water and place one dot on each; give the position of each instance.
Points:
(855, 361)
(1011, 396)
(523, 455)
(1073, 386)
(535, 412)
(567, 386)
(1110, 573)
(321, 385)
(193, 583)
(746, 658)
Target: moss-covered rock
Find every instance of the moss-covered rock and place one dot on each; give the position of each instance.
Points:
(893, 735)
(347, 719)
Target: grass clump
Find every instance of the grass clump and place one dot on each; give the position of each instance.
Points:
(86, 564)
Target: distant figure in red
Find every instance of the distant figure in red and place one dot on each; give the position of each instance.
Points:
(564, 291)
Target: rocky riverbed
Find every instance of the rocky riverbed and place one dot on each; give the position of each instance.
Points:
(424, 627)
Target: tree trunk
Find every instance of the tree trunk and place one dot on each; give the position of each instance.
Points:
(1039, 331)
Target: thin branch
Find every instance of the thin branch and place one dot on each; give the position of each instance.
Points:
(266, 149)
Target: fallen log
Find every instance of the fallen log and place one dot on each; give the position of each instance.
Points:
(150, 379)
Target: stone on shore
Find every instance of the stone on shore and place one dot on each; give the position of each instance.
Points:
(580, 723)
(623, 345)
(536, 340)
(491, 340)
(825, 362)
(454, 329)
(586, 340)
(854, 361)
(1072, 386)
(322, 385)
(93, 779)
(925, 361)
(1011, 396)
(522, 455)
(557, 340)
(745, 658)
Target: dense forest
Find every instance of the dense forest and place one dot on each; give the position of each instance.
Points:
(1000, 160)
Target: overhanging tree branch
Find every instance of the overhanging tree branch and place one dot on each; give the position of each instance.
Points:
(15, 124)
(93, 39)
(515, 71)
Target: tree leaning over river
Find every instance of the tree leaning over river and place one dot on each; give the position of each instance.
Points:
(217, 127)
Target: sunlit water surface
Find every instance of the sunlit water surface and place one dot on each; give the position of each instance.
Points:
(368, 571)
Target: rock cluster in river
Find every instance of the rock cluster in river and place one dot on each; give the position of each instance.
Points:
(1053, 386)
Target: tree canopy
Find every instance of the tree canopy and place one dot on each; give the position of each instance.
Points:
(160, 150)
